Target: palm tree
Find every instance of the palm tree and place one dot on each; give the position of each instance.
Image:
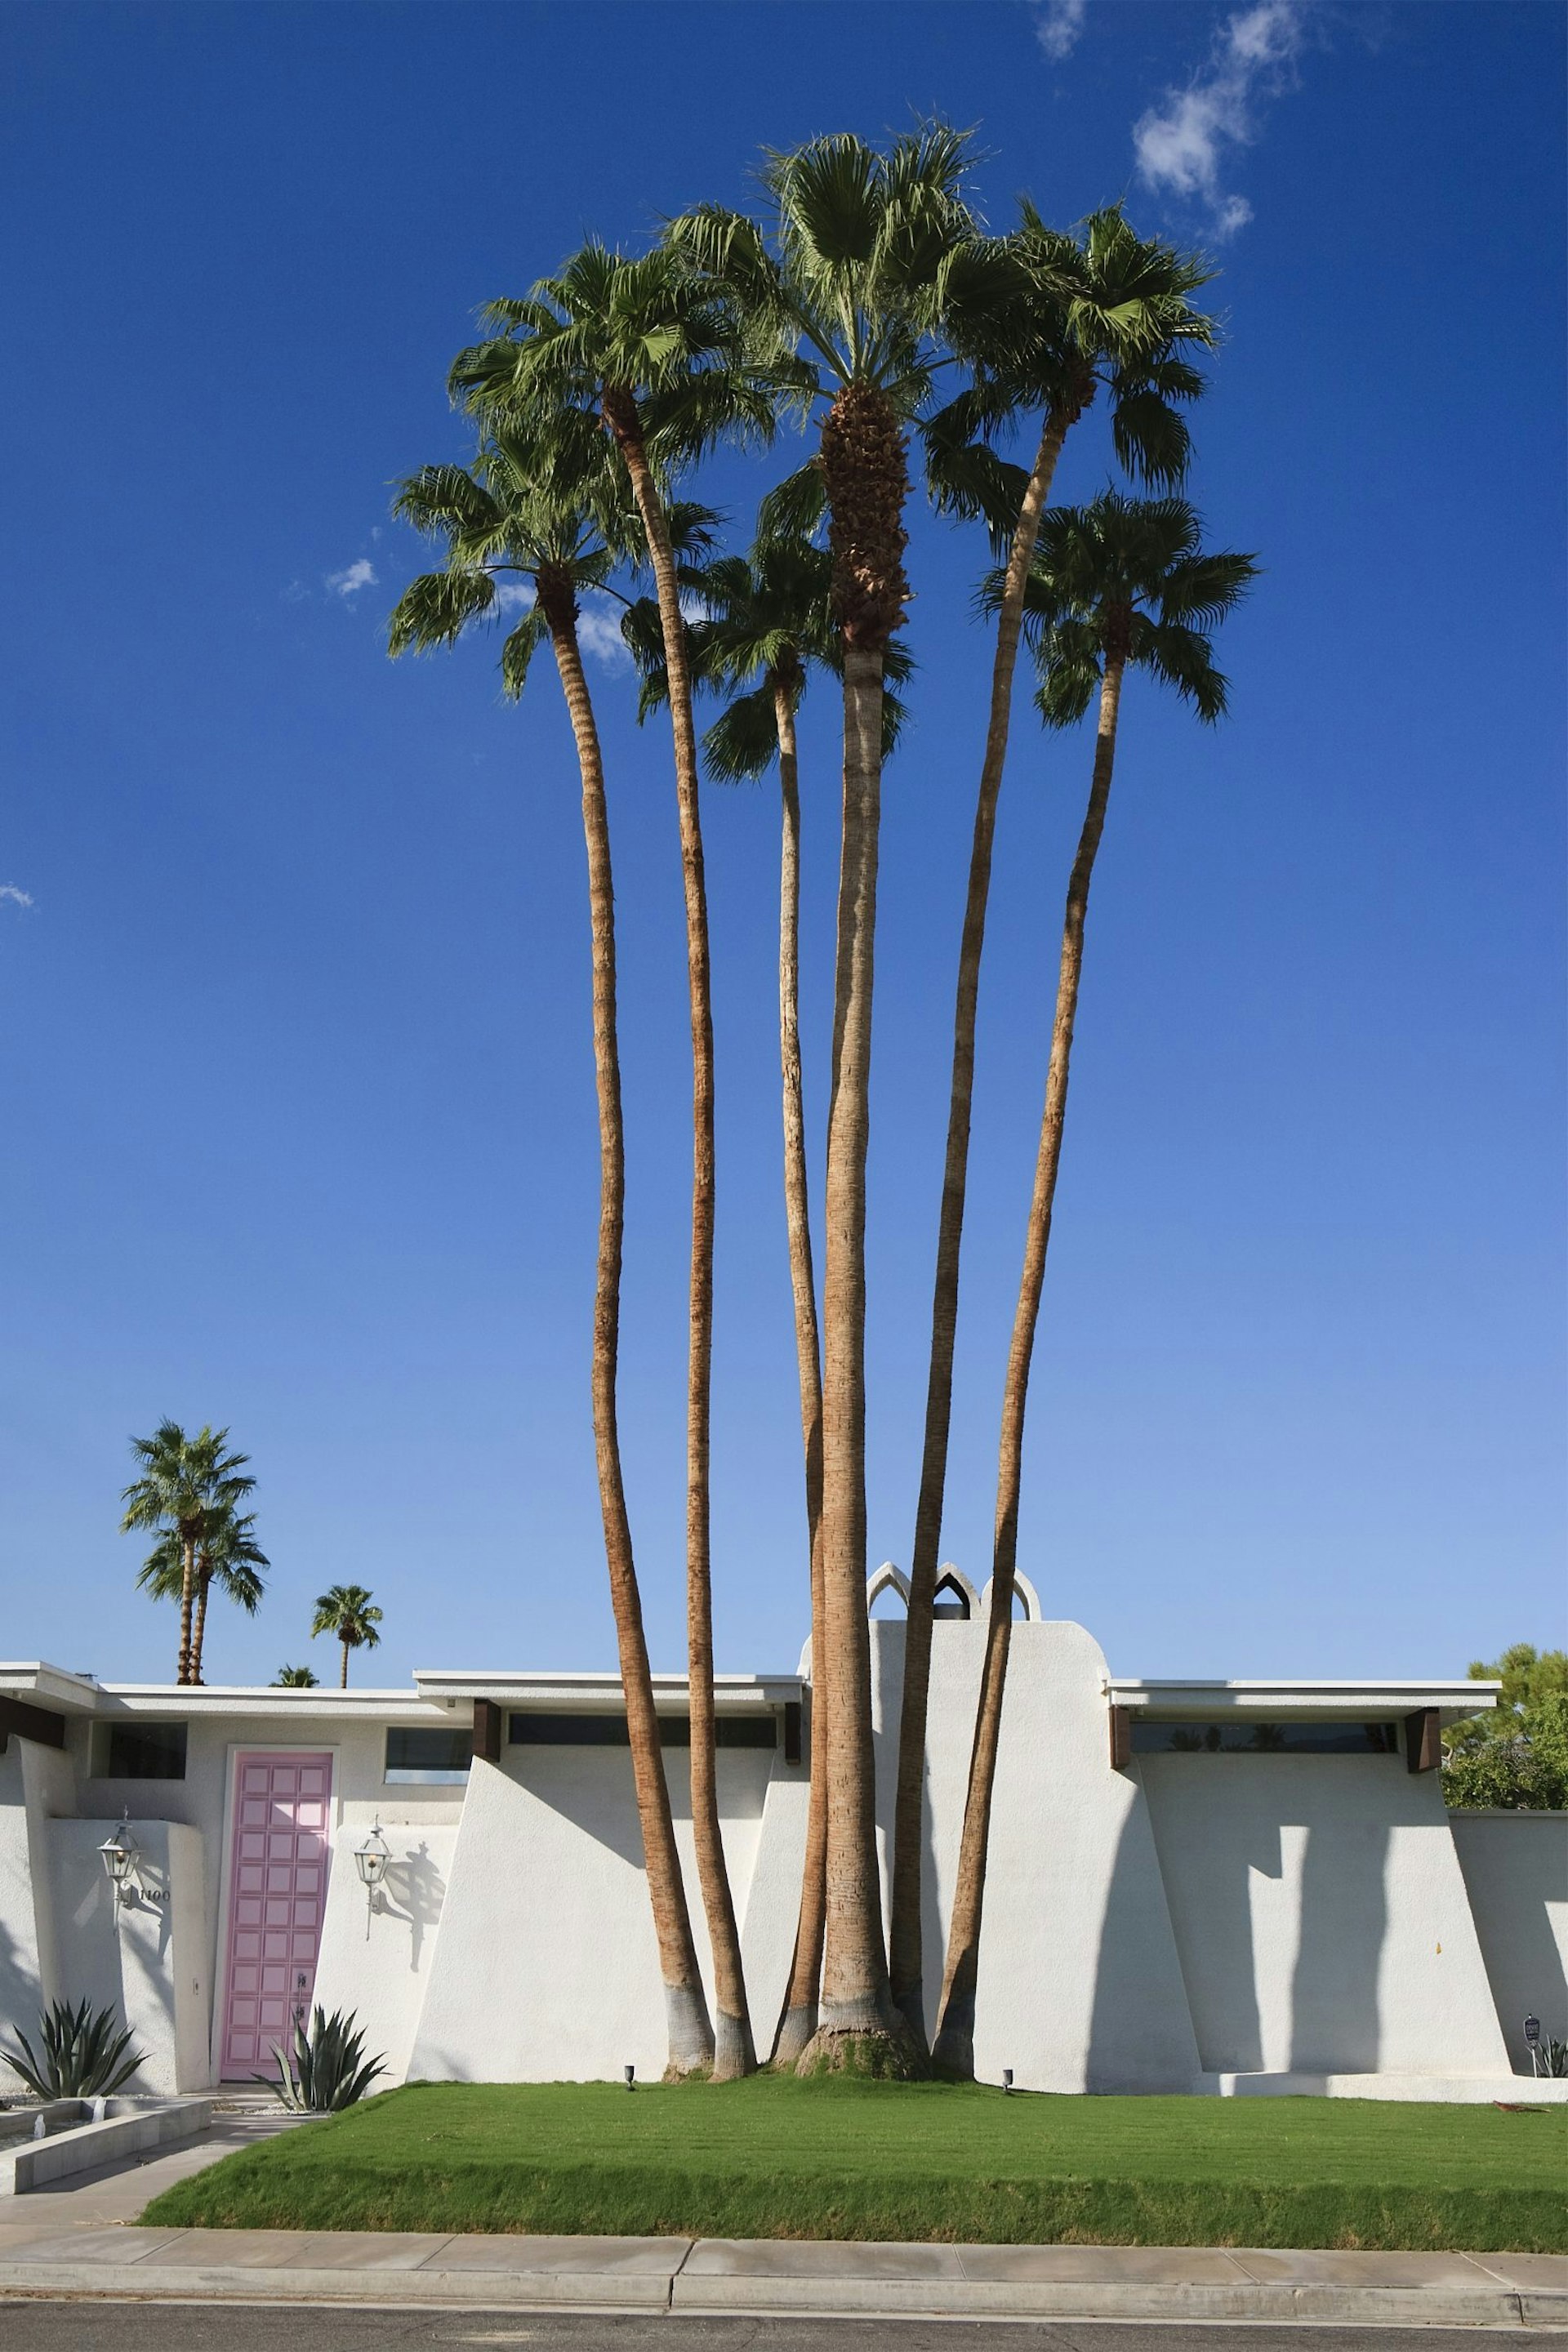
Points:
(345, 1612)
(658, 359)
(866, 254)
(294, 1678)
(183, 1481)
(537, 511)
(767, 621)
(1119, 584)
(1107, 309)
(227, 1555)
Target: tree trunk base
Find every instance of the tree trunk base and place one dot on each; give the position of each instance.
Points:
(910, 2005)
(952, 2054)
(691, 2036)
(883, 2054)
(797, 2027)
(734, 2053)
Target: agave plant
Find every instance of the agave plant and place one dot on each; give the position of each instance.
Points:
(83, 2053)
(329, 2067)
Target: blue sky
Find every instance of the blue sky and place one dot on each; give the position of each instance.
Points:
(298, 1100)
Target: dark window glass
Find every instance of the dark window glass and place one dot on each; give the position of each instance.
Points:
(420, 1755)
(146, 1752)
(1264, 1738)
(610, 1731)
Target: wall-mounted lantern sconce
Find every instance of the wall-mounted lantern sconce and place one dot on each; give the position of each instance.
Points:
(119, 1854)
(371, 1860)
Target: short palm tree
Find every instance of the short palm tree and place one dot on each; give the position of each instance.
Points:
(294, 1678)
(659, 360)
(1061, 317)
(184, 1483)
(227, 1556)
(1123, 584)
(347, 1613)
(542, 512)
(848, 294)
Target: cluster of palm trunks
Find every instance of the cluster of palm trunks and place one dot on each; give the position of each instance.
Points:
(867, 285)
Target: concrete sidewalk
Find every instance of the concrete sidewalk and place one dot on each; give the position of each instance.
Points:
(85, 2242)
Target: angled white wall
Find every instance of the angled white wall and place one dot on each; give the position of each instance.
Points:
(1516, 1875)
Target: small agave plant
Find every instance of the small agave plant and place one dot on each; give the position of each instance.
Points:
(82, 2053)
(328, 2068)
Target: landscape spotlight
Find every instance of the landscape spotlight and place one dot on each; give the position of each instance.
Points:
(1006, 2078)
(631, 2075)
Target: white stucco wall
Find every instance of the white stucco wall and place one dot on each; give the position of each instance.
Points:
(377, 1948)
(1080, 1985)
(35, 1783)
(546, 1967)
(1516, 1873)
(145, 1958)
(1320, 1915)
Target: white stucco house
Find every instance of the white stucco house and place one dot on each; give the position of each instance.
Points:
(1208, 1887)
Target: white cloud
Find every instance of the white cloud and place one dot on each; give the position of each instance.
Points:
(599, 634)
(9, 891)
(1060, 23)
(1179, 145)
(358, 575)
(512, 596)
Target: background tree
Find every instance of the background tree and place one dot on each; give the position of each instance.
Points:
(544, 508)
(1058, 317)
(183, 1483)
(346, 1613)
(227, 1556)
(848, 297)
(1517, 1756)
(1122, 584)
(294, 1678)
(658, 359)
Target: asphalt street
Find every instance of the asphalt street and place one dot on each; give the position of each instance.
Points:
(67, 2326)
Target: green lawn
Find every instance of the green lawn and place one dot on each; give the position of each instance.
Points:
(847, 2158)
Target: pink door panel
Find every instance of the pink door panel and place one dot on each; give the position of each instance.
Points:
(278, 1890)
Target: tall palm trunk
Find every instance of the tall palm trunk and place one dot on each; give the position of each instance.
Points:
(187, 1596)
(799, 2022)
(906, 1957)
(686, 2006)
(866, 479)
(733, 2053)
(343, 1676)
(198, 1635)
(954, 2049)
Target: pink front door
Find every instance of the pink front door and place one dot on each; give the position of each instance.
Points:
(278, 1890)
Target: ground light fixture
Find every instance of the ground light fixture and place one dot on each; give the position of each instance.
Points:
(1006, 2078)
(631, 2075)
(119, 1853)
(371, 1860)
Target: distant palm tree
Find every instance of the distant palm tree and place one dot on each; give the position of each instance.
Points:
(1123, 584)
(345, 1612)
(186, 1482)
(294, 1678)
(227, 1555)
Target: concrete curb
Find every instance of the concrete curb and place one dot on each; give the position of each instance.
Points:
(35, 2163)
(756, 2277)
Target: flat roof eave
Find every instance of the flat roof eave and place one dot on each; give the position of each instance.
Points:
(1283, 1701)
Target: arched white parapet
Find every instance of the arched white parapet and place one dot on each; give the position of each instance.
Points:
(1022, 1590)
(953, 1587)
(888, 1578)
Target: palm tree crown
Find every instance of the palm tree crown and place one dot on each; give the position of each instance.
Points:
(186, 1486)
(1128, 579)
(294, 1678)
(346, 1612)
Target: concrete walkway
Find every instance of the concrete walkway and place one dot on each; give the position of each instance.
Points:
(84, 2240)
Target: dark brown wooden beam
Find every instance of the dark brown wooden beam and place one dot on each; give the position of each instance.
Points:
(487, 1730)
(1422, 1740)
(1121, 1738)
(792, 1716)
(39, 1723)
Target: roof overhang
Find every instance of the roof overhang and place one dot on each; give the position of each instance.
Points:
(1300, 1702)
(602, 1693)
